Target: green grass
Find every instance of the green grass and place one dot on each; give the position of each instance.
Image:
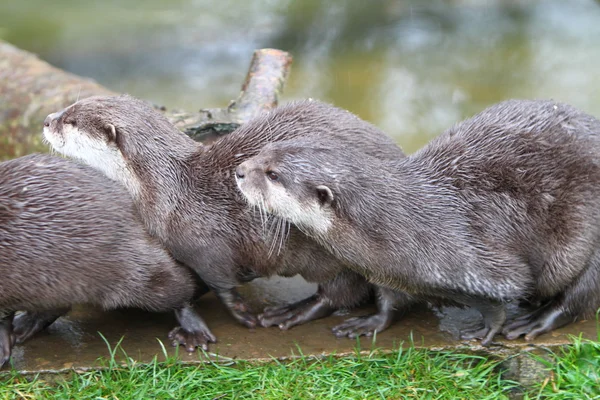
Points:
(574, 372)
(406, 373)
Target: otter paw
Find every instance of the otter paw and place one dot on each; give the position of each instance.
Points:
(246, 318)
(191, 340)
(284, 317)
(27, 324)
(482, 333)
(298, 313)
(531, 330)
(361, 326)
(277, 316)
(535, 324)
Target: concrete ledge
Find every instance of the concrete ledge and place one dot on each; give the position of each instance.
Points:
(73, 342)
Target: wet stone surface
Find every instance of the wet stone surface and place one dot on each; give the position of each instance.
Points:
(74, 341)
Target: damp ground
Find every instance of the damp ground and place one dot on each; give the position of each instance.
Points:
(77, 340)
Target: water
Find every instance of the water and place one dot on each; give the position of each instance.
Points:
(411, 67)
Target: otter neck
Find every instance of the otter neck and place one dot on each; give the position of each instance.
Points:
(161, 171)
(400, 216)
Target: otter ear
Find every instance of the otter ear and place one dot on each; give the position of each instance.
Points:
(324, 194)
(111, 132)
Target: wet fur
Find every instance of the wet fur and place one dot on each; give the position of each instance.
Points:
(187, 195)
(70, 236)
(503, 206)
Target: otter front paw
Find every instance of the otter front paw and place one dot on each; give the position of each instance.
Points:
(282, 316)
(237, 307)
(193, 331)
(485, 334)
(191, 340)
(362, 326)
(298, 313)
(245, 317)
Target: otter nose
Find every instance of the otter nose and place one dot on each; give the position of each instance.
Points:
(52, 117)
(240, 171)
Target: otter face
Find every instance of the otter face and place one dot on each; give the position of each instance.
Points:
(270, 186)
(84, 131)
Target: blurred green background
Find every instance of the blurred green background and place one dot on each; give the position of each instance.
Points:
(411, 67)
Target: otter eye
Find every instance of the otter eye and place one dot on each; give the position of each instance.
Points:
(272, 176)
(69, 121)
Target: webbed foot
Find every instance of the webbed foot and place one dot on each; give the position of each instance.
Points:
(298, 313)
(534, 324)
(494, 317)
(193, 331)
(27, 324)
(485, 334)
(238, 307)
(363, 326)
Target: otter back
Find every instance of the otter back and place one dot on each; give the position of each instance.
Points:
(69, 236)
(503, 206)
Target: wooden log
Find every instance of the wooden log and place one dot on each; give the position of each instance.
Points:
(262, 87)
(30, 89)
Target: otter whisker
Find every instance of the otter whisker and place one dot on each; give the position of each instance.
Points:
(259, 204)
(280, 234)
(273, 238)
(284, 234)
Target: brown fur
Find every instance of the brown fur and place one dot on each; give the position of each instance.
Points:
(187, 195)
(504, 206)
(70, 236)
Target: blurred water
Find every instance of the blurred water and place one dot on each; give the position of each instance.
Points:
(411, 67)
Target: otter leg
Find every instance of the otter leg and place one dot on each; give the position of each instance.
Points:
(27, 324)
(6, 336)
(494, 317)
(391, 305)
(579, 299)
(193, 331)
(217, 269)
(346, 290)
(237, 306)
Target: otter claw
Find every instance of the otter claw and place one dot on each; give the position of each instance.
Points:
(361, 326)
(237, 307)
(485, 334)
(298, 313)
(247, 319)
(193, 331)
(276, 316)
(191, 340)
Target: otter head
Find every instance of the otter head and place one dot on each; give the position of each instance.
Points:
(107, 133)
(285, 180)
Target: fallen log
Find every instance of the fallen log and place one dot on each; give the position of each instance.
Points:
(30, 89)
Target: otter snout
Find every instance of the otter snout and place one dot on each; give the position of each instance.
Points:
(53, 117)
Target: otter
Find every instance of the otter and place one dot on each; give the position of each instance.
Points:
(69, 235)
(504, 206)
(187, 195)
